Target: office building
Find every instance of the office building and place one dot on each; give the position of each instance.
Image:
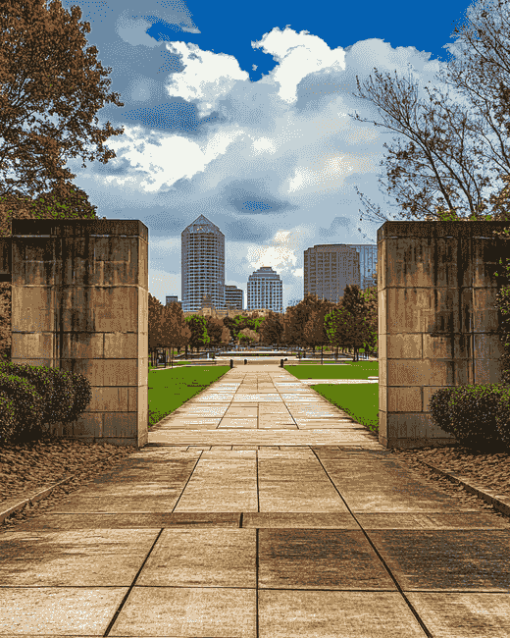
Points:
(265, 290)
(368, 264)
(202, 265)
(234, 297)
(172, 299)
(328, 269)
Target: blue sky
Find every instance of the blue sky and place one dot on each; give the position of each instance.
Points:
(242, 115)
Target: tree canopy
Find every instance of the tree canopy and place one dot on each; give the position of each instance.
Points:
(50, 91)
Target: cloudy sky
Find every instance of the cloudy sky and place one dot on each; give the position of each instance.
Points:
(242, 115)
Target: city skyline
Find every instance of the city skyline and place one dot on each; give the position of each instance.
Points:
(329, 268)
(250, 123)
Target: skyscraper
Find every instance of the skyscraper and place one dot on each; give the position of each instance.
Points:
(329, 268)
(265, 290)
(202, 265)
(367, 264)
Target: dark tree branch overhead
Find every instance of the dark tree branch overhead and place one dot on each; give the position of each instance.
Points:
(45, 71)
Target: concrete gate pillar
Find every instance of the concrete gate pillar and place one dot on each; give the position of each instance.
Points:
(437, 320)
(80, 303)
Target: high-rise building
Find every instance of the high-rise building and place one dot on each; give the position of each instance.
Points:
(234, 297)
(367, 264)
(265, 290)
(202, 265)
(329, 268)
(172, 299)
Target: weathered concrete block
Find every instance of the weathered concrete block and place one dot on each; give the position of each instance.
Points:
(438, 324)
(80, 303)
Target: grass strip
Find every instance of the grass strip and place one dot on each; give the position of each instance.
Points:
(359, 400)
(169, 389)
(358, 370)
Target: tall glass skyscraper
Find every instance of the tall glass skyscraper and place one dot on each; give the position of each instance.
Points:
(202, 265)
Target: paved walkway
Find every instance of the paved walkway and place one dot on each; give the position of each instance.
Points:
(257, 510)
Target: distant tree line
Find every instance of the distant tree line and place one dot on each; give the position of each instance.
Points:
(313, 323)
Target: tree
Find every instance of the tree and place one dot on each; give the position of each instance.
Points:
(215, 330)
(155, 327)
(44, 70)
(176, 333)
(247, 334)
(271, 329)
(353, 323)
(198, 326)
(298, 316)
(449, 141)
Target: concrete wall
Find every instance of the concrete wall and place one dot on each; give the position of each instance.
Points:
(437, 320)
(80, 303)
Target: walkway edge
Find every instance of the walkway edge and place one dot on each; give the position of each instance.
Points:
(500, 503)
(32, 499)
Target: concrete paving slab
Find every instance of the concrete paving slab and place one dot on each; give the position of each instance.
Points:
(155, 520)
(299, 496)
(415, 520)
(475, 615)
(238, 422)
(457, 560)
(282, 483)
(306, 520)
(179, 612)
(209, 397)
(183, 425)
(281, 469)
(74, 558)
(286, 425)
(58, 611)
(320, 559)
(330, 614)
(113, 503)
(221, 485)
(202, 558)
(242, 411)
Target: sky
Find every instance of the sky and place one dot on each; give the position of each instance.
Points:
(242, 115)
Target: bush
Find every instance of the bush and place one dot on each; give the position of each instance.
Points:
(28, 405)
(7, 416)
(470, 413)
(65, 395)
(503, 415)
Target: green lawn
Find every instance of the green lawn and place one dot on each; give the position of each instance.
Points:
(358, 370)
(169, 389)
(359, 400)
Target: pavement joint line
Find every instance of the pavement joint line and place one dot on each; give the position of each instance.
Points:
(130, 588)
(383, 562)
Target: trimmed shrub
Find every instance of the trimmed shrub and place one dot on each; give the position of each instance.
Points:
(469, 413)
(28, 405)
(503, 415)
(65, 395)
(7, 416)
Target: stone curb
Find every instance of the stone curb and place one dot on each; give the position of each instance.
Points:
(500, 503)
(32, 499)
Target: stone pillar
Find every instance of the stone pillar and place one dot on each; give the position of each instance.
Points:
(80, 303)
(437, 320)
